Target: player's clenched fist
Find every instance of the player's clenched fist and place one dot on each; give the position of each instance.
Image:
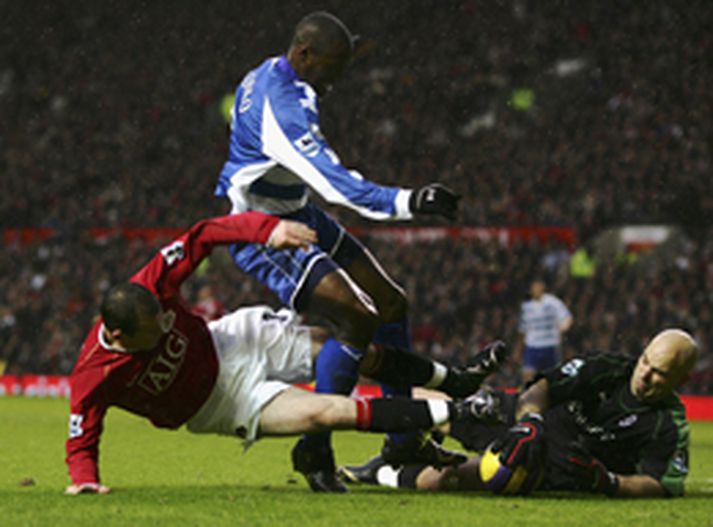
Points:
(291, 234)
(87, 488)
(434, 199)
(523, 444)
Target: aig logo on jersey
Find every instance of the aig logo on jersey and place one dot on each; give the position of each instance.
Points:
(163, 369)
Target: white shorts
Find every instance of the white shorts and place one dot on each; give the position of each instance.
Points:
(260, 352)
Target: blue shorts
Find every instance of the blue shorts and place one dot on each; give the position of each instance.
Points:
(293, 273)
(540, 359)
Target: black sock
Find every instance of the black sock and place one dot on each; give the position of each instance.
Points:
(459, 383)
(403, 477)
(408, 475)
(400, 368)
(400, 414)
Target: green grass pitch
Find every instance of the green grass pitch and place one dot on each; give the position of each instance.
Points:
(175, 478)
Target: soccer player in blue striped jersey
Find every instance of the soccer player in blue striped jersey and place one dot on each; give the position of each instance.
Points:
(277, 156)
(543, 320)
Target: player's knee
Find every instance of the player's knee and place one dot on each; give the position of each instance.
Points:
(359, 328)
(319, 336)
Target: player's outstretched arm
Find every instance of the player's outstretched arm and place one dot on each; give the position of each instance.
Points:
(592, 474)
(86, 488)
(639, 486)
(533, 400)
(291, 234)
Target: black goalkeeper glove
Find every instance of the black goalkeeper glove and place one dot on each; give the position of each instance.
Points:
(590, 472)
(434, 199)
(523, 444)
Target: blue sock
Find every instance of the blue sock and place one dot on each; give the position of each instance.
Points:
(395, 335)
(336, 371)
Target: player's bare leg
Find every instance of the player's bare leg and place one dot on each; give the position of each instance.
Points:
(296, 411)
(340, 300)
(389, 297)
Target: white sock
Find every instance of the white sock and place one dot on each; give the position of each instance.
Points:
(439, 411)
(388, 476)
(439, 375)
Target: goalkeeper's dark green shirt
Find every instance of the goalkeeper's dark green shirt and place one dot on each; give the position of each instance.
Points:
(590, 399)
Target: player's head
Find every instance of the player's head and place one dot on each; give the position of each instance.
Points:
(132, 317)
(320, 50)
(538, 287)
(664, 365)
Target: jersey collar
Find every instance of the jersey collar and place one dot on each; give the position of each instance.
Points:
(631, 404)
(286, 68)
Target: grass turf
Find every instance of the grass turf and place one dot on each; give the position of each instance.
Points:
(176, 478)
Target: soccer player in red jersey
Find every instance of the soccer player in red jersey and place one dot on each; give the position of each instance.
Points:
(152, 356)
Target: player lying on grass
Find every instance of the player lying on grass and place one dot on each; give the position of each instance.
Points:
(150, 355)
(602, 423)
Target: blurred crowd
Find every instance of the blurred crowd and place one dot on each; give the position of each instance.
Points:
(111, 117)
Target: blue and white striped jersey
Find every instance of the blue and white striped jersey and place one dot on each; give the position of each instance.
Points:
(540, 321)
(277, 152)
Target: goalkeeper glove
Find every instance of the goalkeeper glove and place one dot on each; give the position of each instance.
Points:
(434, 199)
(523, 444)
(590, 472)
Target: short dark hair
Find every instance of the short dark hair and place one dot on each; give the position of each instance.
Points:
(539, 278)
(124, 305)
(324, 32)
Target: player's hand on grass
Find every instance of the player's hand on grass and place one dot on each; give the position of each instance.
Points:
(87, 488)
(291, 234)
(590, 472)
(434, 198)
(523, 444)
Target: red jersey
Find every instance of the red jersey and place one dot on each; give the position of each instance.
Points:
(170, 383)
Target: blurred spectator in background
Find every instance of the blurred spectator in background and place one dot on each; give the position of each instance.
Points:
(207, 305)
(111, 115)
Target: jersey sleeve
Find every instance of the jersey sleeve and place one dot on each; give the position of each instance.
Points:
(292, 139)
(563, 312)
(86, 419)
(166, 271)
(581, 378)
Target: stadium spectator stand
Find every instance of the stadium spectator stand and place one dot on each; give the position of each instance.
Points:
(111, 118)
